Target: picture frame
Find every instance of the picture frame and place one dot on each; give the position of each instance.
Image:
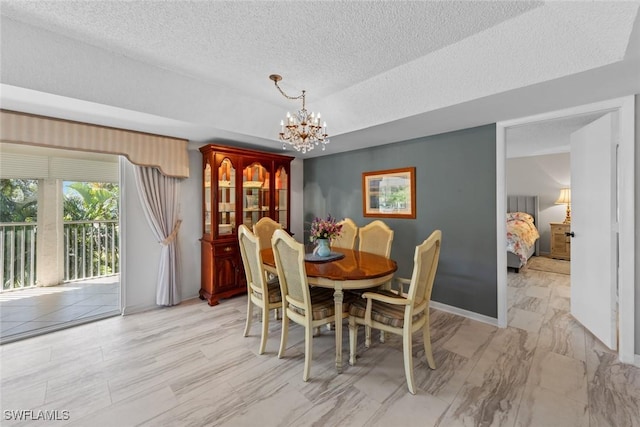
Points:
(389, 193)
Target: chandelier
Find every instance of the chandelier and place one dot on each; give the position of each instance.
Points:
(301, 130)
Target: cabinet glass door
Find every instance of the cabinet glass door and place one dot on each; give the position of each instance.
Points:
(206, 215)
(282, 209)
(226, 198)
(255, 194)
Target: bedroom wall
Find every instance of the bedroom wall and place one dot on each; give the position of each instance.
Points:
(455, 191)
(541, 176)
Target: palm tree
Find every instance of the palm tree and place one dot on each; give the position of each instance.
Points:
(92, 201)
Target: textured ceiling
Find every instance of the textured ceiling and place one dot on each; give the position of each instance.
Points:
(378, 71)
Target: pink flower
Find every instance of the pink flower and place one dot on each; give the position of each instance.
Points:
(324, 228)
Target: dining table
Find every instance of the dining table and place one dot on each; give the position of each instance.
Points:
(355, 270)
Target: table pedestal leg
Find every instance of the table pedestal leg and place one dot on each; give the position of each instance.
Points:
(337, 298)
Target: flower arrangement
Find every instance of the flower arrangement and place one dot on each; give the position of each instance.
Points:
(327, 228)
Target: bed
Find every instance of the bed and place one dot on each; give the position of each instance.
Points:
(522, 234)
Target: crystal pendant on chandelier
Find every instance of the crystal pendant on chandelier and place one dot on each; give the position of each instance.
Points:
(302, 131)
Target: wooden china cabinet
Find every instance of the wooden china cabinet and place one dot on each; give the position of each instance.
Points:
(238, 187)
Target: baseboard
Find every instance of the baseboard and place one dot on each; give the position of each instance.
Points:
(464, 313)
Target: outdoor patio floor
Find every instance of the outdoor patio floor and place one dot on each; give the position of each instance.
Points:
(34, 311)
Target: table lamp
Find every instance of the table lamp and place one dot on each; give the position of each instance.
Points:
(565, 199)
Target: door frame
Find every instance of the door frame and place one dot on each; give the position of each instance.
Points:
(625, 108)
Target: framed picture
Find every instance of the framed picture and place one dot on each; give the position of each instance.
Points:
(389, 193)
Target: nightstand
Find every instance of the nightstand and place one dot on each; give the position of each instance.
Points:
(560, 241)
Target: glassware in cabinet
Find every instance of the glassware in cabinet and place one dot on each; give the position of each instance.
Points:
(255, 193)
(206, 178)
(282, 197)
(226, 198)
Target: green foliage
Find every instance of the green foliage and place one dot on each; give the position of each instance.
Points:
(86, 201)
(18, 200)
(91, 201)
(92, 247)
(96, 202)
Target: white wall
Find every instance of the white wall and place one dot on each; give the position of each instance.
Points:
(191, 229)
(541, 176)
(140, 251)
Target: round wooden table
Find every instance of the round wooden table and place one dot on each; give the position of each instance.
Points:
(357, 270)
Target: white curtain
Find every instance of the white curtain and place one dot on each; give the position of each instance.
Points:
(159, 195)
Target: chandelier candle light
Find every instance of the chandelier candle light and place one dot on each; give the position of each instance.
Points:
(301, 130)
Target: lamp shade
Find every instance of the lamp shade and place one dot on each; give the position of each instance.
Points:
(565, 197)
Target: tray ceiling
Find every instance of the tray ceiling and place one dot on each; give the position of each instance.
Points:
(379, 72)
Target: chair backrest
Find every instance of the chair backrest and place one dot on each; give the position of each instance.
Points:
(264, 229)
(289, 257)
(252, 260)
(425, 264)
(376, 238)
(348, 235)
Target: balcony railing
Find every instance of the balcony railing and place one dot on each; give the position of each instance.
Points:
(90, 251)
(18, 255)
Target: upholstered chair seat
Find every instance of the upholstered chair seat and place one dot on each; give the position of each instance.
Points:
(386, 314)
(274, 294)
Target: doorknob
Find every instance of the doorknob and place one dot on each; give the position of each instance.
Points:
(571, 234)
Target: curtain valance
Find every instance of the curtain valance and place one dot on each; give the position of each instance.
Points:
(167, 154)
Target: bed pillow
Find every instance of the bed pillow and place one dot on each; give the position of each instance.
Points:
(523, 216)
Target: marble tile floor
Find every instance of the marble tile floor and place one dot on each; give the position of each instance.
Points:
(189, 365)
(33, 311)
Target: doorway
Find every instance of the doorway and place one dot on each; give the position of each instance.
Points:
(74, 251)
(541, 288)
(626, 244)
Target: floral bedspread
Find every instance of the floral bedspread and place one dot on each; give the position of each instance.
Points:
(521, 234)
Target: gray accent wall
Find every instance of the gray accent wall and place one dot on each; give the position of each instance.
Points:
(455, 192)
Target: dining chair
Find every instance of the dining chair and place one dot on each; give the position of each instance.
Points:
(376, 238)
(401, 313)
(261, 293)
(264, 229)
(308, 307)
(348, 235)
